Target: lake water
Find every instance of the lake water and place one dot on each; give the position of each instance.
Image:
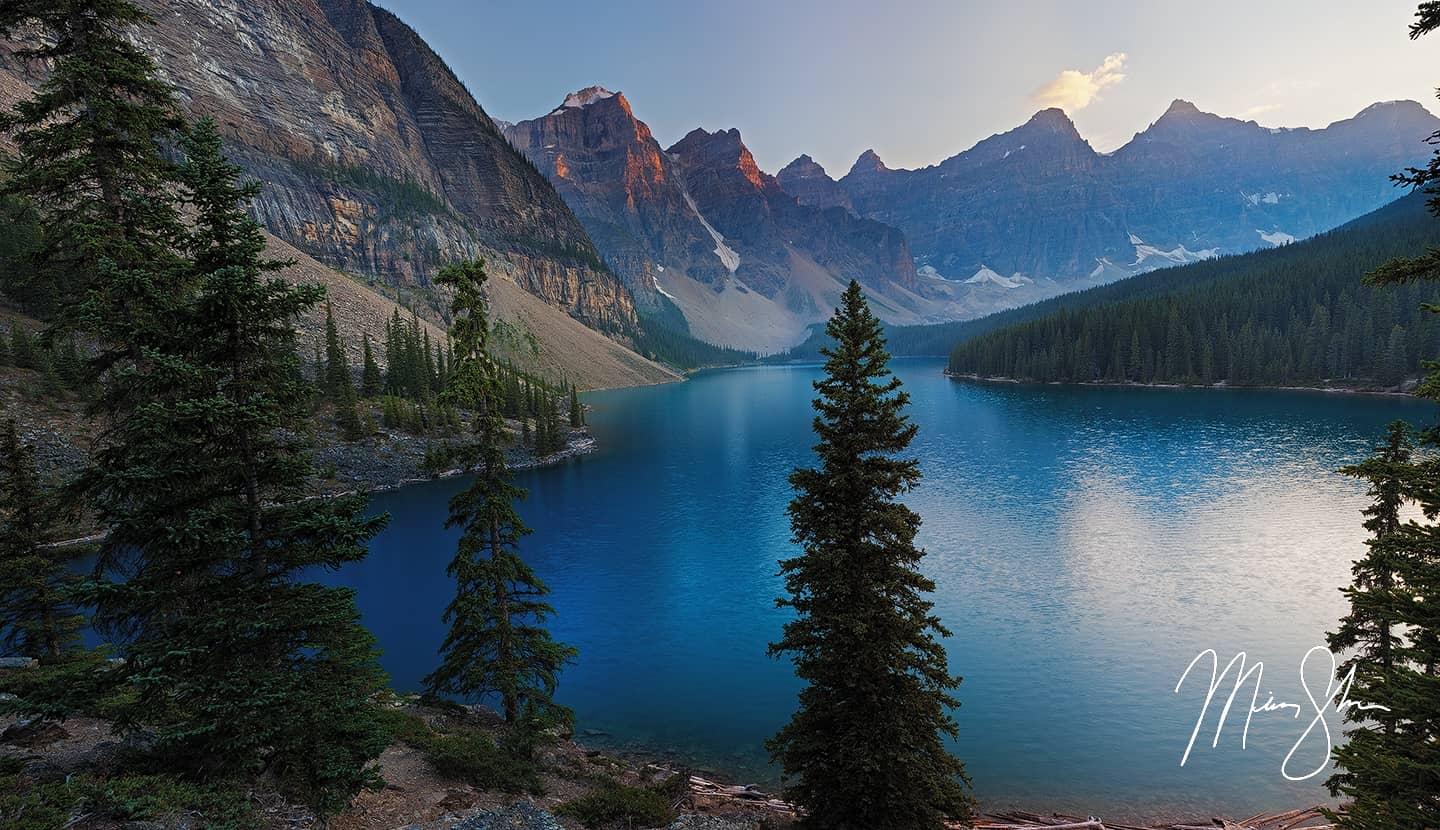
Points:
(1087, 544)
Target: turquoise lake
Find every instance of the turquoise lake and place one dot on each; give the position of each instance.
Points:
(1087, 544)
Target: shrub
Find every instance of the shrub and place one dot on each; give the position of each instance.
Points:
(616, 803)
(474, 757)
(139, 798)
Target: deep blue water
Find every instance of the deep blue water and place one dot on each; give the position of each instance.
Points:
(1087, 543)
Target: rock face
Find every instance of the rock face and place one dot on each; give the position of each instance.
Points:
(750, 207)
(629, 195)
(375, 157)
(700, 226)
(808, 182)
(1036, 211)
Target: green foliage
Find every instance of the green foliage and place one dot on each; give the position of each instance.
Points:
(1296, 315)
(615, 804)
(372, 382)
(37, 617)
(91, 147)
(497, 642)
(130, 798)
(475, 758)
(1389, 769)
(864, 749)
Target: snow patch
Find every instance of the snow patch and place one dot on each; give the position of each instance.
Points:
(929, 272)
(586, 97)
(661, 289)
(1269, 198)
(985, 275)
(728, 257)
(1008, 152)
(1179, 255)
(1276, 237)
(1135, 240)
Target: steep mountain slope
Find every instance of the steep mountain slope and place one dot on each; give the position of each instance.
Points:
(376, 159)
(1036, 211)
(700, 226)
(532, 333)
(1296, 315)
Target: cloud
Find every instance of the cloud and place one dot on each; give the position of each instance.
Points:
(1258, 110)
(1075, 90)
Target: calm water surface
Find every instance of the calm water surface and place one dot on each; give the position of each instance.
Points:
(1086, 544)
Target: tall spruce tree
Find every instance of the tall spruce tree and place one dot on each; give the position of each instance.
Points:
(372, 383)
(1367, 772)
(1389, 770)
(92, 152)
(497, 642)
(865, 749)
(241, 665)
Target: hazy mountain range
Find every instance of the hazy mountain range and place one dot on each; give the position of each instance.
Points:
(377, 161)
(1023, 215)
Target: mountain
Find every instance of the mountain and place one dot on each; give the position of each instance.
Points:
(1296, 315)
(1036, 211)
(700, 228)
(808, 182)
(376, 159)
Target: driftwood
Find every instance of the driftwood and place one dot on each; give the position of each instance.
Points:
(1309, 818)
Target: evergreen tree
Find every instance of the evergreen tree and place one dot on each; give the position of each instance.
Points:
(1367, 772)
(337, 369)
(371, 381)
(92, 144)
(5, 357)
(240, 664)
(865, 748)
(577, 412)
(37, 618)
(1390, 767)
(497, 642)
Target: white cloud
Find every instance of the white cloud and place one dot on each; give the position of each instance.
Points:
(1258, 110)
(1075, 90)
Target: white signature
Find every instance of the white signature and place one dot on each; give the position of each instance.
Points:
(1337, 692)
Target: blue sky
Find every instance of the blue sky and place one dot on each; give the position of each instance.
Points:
(920, 80)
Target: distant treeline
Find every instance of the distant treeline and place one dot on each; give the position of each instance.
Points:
(1298, 315)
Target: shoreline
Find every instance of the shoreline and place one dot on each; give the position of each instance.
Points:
(966, 377)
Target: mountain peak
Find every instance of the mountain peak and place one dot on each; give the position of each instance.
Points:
(869, 162)
(803, 165)
(1181, 107)
(1053, 120)
(586, 97)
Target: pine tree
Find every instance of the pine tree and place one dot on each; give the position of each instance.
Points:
(577, 413)
(1390, 767)
(37, 617)
(371, 381)
(241, 665)
(92, 144)
(865, 749)
(497, 642)
(1366, 772)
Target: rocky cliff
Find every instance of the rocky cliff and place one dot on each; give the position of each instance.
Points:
(375, 157)
(701, 226)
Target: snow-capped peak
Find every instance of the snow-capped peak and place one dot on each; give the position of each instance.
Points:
(586, 97)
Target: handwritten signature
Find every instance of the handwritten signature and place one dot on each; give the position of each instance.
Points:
(1336, 692)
